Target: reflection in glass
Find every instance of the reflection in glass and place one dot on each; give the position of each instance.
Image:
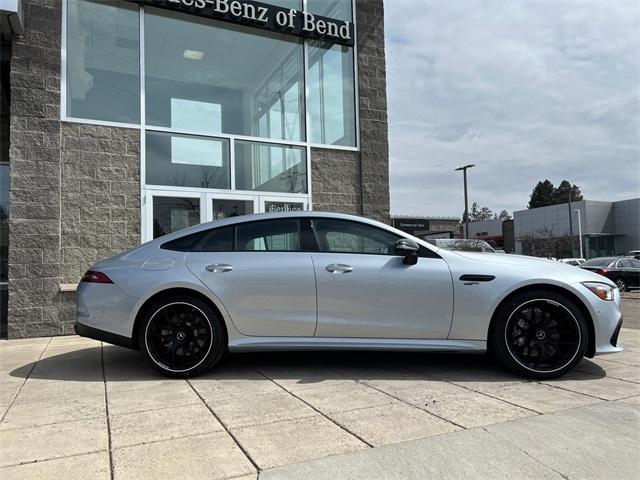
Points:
(274, 235)
(207, 76)
(173, 213)
(186, 161)
(340, 9)
(103, 61)
(231, 208)
(270, 168)
(331, 95)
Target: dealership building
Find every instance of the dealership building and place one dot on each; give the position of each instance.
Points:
(126, 120)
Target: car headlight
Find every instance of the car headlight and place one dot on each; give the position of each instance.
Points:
(602, 290)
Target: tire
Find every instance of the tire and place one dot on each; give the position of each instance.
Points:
(538, 334)
(622, 286)
(182, 336)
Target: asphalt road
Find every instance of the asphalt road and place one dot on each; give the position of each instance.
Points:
(631, 312)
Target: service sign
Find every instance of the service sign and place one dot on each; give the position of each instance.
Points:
(265, 16)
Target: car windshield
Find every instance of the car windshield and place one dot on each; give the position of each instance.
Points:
(598, 262)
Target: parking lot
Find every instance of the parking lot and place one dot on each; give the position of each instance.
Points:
(76, 408)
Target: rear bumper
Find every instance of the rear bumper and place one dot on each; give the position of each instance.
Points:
(103, 336)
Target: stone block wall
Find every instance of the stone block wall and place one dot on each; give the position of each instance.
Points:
(372, 85)
(358, 182)
(75, 189)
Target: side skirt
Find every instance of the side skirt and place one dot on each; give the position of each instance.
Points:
(258, 344)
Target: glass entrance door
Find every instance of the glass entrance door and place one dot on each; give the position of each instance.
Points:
(224, 206)
(167, 210)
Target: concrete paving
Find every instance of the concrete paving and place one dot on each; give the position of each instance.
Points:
(76, 408)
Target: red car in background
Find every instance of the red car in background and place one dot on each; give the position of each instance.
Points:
(624, 271)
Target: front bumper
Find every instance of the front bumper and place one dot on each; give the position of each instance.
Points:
(607, 322)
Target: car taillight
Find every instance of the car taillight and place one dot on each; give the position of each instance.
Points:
(602, 271)
(95, 277)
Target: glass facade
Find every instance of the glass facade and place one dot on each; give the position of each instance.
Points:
(221, 107)
(103, 61)
(270, 168)
(187, 161)
(332, 108)
(219, 78)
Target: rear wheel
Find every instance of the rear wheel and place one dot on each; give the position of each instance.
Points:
(539, 334)
(182, 336)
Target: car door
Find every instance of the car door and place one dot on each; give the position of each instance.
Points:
(259, 273)
(365, 290)
(629, 271)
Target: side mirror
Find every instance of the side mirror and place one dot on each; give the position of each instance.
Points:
(408, 249)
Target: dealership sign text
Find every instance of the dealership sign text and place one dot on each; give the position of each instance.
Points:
(265, 16)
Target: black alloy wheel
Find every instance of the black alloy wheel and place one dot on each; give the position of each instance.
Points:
(182, 337)
(539, 335)
(622, 286)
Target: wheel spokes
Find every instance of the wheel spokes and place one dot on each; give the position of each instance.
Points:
(178, 335)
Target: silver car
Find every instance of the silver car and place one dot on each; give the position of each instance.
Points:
(314, 280)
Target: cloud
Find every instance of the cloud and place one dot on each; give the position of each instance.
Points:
(525, 90)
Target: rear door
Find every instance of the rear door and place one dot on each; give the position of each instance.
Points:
(365, 290)
(630, 271)
(261, 275)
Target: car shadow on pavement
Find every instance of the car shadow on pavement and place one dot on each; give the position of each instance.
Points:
(119, 364)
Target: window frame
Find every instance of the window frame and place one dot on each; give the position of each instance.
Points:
(423, 251)
(142, 126)
(303, 229)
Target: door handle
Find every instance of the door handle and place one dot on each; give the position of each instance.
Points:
(339, 268)
(219, 268)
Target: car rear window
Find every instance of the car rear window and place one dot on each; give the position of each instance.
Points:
(183, 244)
(215, 240)
(597, 262)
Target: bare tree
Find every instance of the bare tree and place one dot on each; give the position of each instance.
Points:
(544, 243)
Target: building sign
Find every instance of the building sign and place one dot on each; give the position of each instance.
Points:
(411, 224)
(283, 207)
(265, 16)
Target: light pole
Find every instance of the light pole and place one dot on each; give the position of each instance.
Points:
(577, 210)
(466, 198)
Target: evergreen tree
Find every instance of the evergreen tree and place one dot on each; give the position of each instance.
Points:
(542, 195)
(565, 190)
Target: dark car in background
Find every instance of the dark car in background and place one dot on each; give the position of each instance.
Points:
(624, 271)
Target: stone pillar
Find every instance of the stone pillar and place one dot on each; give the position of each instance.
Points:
(358, 182)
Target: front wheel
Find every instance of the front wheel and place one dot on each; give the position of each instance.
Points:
(182, 336)
(539, 334)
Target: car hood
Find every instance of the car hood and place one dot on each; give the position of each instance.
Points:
(537, 267)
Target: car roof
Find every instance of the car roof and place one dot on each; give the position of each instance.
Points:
(284, 215)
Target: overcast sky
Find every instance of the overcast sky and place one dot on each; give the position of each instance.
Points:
(526, 90)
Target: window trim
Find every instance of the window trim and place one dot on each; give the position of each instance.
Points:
(423, 252)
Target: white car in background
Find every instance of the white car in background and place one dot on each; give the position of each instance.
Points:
(576, 262)
(462, 244)
(328, 281)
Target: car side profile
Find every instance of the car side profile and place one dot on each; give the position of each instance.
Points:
(623, 271)
(326, 281)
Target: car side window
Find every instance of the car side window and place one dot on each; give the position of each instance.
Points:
(270, 235)
(344, 236)
(629, 263)
(216, 240)
(623, 263)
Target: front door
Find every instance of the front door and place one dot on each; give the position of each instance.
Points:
(366, 291)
